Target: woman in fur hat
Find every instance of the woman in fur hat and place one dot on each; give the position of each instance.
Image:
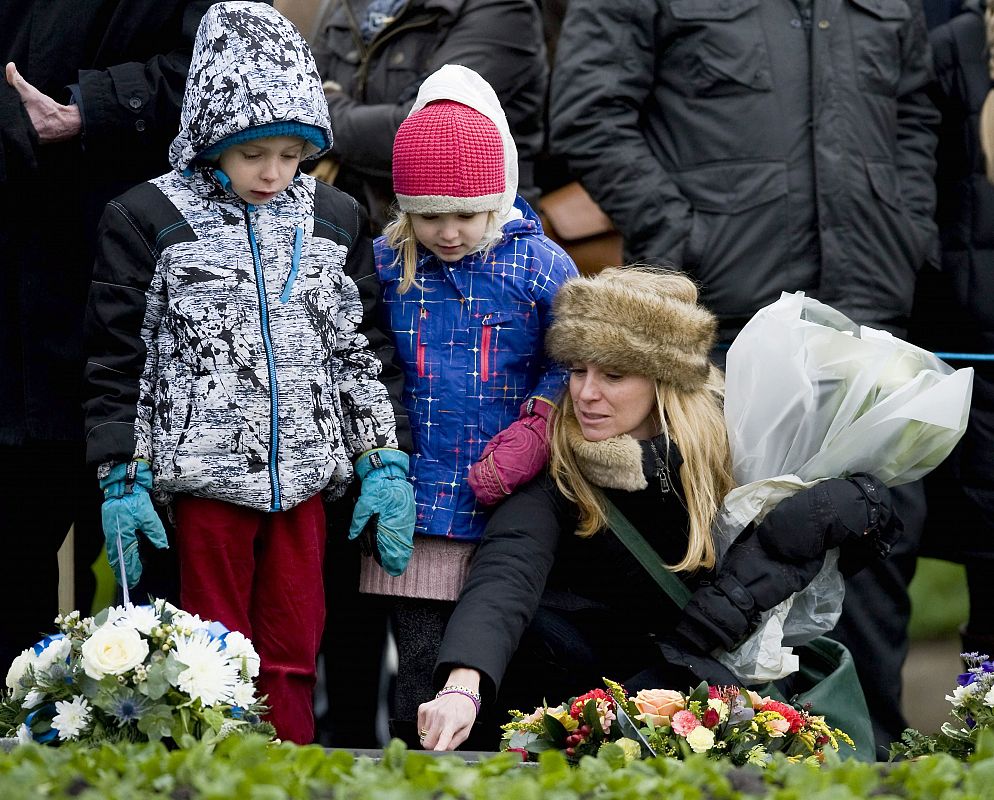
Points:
(641, 425)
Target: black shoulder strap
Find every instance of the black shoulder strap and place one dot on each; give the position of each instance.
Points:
(646, 555)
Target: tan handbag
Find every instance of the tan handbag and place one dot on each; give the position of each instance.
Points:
(576, 223)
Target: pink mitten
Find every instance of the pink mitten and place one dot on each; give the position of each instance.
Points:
(515, 455)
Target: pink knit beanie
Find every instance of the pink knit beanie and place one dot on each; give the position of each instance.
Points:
(448, 158)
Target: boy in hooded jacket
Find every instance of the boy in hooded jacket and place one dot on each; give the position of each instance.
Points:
(234, 368)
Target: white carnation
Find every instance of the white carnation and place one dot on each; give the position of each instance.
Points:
(243, 695)
(700, 739)
(33, 698)
(141, 618)
(186, 623)
(113, 651)
(57, 650)
(238, 646)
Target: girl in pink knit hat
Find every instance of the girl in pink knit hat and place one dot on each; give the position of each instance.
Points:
(468, 280)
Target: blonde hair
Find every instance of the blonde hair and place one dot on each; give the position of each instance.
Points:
(400, 237)
(987, 111)
(695, 421)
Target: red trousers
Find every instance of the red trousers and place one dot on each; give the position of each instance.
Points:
(261, 573)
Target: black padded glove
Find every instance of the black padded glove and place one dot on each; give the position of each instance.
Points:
(750, 581)
(854, 513)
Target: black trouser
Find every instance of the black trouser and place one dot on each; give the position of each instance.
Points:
(354, 638)
(875, 616)
(45, 488)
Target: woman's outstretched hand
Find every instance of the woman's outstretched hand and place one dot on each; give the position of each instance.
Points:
(445, 722)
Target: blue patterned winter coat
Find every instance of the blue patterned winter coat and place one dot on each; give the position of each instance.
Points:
(471, 339)
(235, 346)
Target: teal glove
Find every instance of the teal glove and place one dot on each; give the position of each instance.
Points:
(385, 510)
(127, 510)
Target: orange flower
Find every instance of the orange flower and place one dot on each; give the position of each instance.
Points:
(658, 705)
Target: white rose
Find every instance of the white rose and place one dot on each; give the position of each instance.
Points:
(17, 669)
(113, 651)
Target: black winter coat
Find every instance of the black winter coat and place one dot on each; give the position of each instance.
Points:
(529, 556)
(954, 308)
(500, 39)
(129, 59)
(757, 149)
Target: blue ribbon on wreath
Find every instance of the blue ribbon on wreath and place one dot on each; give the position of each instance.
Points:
(40, 646)
(48, 735)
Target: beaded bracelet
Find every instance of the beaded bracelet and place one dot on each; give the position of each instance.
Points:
(464, 691)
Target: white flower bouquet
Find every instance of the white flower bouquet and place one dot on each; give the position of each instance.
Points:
(809, 396)
(133, 673)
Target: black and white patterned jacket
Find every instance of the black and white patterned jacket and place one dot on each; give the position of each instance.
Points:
(235, 346)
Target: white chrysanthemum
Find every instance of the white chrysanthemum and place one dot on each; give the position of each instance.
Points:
(24, 734)
(960, 693)
(141, 618)
(57, 650)
(209, 675)
(239, 646)
(113, 651)
(243, 695)
(72, 717)
(17, 669)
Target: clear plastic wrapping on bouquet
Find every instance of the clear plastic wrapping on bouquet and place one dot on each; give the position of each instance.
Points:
(809, 395)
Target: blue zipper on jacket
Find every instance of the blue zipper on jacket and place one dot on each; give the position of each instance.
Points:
(260, 287)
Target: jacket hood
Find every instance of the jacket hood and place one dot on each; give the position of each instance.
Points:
(250, 67)
(463, 85)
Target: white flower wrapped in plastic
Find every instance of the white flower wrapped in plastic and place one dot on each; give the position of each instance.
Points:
(809, 396)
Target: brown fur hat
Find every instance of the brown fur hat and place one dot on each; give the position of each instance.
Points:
(635, 321)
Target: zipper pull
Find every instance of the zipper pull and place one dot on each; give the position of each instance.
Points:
(661, 472)
(130, 476)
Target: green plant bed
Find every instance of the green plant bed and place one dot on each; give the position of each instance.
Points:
(248, 767)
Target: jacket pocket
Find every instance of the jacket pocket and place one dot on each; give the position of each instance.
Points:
(498, 378)
(876, 42)
(719, 47)
(886, 188)
(739, 235)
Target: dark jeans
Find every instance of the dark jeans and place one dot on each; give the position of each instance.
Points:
(45, 488)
